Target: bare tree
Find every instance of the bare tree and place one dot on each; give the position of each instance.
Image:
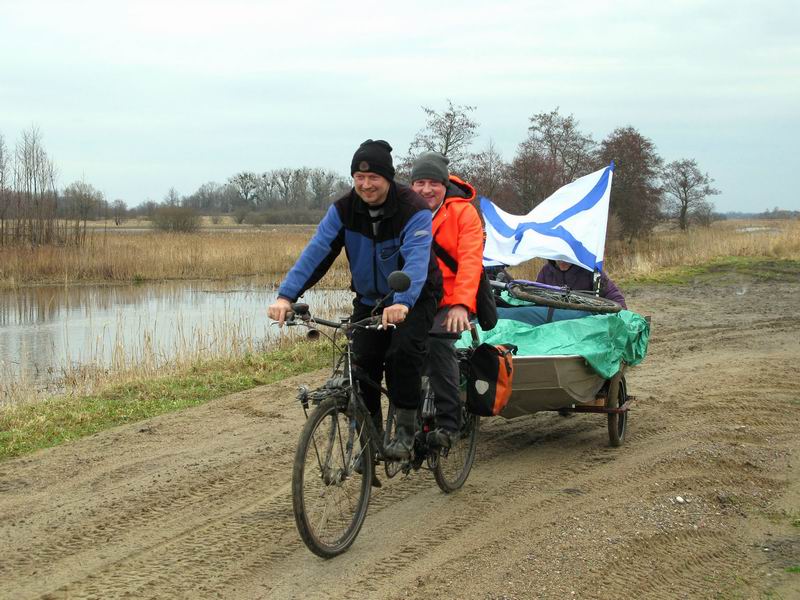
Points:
(172, 198)
(299, 192)
(81, 200)
(636, 192)
(704, 214)
(686, 188)
(450, 132)
(532, 177)
(282, 184)
(245, 183)
(265, 194)
(487, 172)
(205, 198)
(5, 189)
(119, 210)
(555, 153)
(560, 141)
(35, 191)
(325, 186)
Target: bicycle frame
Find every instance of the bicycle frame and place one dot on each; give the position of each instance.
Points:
(344, 369)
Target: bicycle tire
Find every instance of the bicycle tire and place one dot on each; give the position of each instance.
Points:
(454, 465)
(571, 300)
(618, 422)
(321, 482)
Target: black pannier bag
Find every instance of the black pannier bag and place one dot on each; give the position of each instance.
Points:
(489, 378)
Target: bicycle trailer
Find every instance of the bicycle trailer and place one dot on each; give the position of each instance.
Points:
(574, 364)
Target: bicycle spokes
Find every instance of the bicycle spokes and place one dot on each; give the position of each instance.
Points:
(330, 495)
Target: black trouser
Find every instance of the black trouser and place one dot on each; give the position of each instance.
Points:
(400, 353)
(442, 368)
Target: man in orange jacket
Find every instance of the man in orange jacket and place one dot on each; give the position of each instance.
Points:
(458, 244)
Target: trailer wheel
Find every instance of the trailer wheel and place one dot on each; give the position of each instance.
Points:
(618, 422)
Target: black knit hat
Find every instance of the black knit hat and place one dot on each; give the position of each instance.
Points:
(374, 156)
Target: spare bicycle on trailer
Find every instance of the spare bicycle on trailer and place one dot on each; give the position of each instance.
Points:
(340, 447)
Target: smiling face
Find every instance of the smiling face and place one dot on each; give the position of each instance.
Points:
(431, 190)
(371, 187)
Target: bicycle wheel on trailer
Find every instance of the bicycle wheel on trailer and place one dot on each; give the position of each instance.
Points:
(329, 496)
(455, 463)
(618, 422)
(584, 301)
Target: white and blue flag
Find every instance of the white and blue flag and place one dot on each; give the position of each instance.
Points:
(570, 225)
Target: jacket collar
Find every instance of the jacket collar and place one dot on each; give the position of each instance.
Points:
(459, 190)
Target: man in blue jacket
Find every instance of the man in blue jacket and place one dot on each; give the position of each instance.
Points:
(383, 227)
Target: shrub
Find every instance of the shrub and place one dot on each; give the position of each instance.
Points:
(176, 219)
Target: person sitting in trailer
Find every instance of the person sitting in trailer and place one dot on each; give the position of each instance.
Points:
(560, 272)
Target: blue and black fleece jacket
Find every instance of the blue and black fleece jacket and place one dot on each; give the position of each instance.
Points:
(402, 242)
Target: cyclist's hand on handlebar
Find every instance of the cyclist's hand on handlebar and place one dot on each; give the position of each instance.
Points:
(394, 314)
(278, 309)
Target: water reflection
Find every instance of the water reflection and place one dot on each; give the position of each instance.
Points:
(46, 331)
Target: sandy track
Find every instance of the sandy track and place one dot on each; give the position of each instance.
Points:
(197, 504)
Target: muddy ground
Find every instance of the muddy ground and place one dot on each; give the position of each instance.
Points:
(197, 504)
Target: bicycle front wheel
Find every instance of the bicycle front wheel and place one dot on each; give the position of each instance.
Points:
(563, 299)
(331, 480)
(455, 463)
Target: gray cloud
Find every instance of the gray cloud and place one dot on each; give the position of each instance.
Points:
(139, 97)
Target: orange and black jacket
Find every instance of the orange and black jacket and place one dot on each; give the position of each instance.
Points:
(457, 228)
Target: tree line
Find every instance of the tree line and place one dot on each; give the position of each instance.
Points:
(555, 151)
(33, 210)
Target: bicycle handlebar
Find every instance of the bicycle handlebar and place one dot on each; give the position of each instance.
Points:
(302, 311)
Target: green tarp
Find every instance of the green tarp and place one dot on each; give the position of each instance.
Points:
(603, 340)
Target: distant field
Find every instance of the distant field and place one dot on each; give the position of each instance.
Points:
(206, 224)
(138, 254)
(110, 256)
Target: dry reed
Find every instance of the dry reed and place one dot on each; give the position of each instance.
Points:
(674, 248)
(269, 253)
(150, 256)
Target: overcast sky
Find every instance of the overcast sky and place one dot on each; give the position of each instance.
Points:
(138, 97)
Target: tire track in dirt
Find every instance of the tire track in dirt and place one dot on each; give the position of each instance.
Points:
(390, 566)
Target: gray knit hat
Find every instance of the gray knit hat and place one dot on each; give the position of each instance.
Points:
(431, 165)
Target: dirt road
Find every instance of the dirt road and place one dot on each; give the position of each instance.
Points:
(703, 500)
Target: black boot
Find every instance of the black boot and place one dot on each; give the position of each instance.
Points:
(442, 438)
(399, 448)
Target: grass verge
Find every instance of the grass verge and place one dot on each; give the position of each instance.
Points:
(29, 427)
(758, 268)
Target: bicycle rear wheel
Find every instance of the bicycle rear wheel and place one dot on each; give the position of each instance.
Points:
(455, 463)
(329, 497)
(572, 300)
